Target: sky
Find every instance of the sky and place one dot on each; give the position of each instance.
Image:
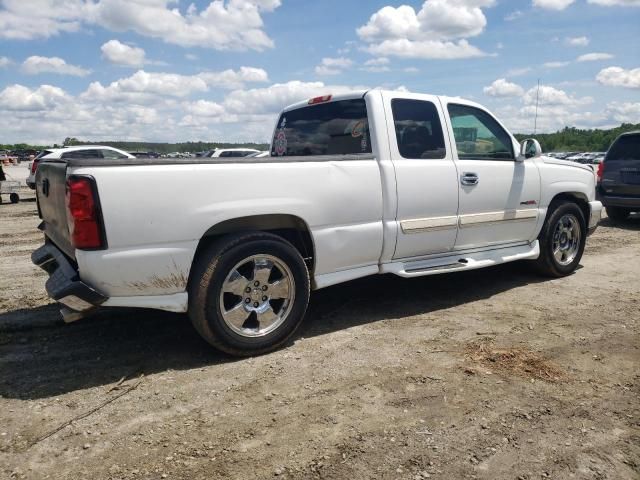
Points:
(182, 70)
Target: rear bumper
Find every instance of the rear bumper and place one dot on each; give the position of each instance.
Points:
(595, 214)
(624, 202)
(64, 284)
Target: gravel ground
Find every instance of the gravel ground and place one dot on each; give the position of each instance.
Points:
(491, 374)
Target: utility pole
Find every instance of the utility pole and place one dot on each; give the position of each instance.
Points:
(535, 121)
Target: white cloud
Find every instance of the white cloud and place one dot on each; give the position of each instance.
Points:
(621, 3)
(594, 57)
(411, 70)
(619, 77)
(35, 65)
(577, 41)
(118, 53)
(503, 88)
(5, 62)
(333, 66)
(427, 49)
(624, 112)
(555, 64)
(550, 96)
(513, 15)
(230, 25)
(552, 4)
(438, 30)
(20, 98)
(376, 65)
(517, 72)
(234, 78)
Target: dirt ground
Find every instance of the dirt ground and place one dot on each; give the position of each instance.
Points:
(491, 374)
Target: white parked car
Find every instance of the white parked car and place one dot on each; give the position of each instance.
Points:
(356, 184)
(230, 152)
(80, 151)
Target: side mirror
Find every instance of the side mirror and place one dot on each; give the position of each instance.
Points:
(530, 148)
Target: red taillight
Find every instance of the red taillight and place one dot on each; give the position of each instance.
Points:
(34, 166)
(83, 215)
(323, 99)
(600, 170)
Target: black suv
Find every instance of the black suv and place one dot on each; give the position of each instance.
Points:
(619, 177)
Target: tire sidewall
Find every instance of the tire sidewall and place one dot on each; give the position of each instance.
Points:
(228, 260)
(547, 244)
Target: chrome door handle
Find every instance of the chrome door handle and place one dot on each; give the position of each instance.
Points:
(469, 178)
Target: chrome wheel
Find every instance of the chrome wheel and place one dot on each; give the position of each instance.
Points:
(566, 239)
(257, 295)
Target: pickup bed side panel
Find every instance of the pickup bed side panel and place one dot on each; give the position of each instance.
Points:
(155, 215)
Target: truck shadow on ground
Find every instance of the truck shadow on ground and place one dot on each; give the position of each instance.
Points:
(42, 361)
(631, 223)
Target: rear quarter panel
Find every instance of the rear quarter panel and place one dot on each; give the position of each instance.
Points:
(155, 215)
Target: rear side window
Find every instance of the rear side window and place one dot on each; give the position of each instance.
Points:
(336, 128)
(478, 135)
(418, 129)
(91, 153)
(626, 147)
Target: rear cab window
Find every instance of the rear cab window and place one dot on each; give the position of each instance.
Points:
(89, 153)
(335, 128)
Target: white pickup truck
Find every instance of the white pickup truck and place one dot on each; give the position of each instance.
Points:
(356, 184)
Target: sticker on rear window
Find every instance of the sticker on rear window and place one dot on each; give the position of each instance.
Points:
(281, 143)
(358, 129)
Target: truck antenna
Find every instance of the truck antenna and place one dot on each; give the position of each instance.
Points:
(535, 121)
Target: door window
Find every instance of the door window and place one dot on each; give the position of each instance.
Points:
(112, 154)
(478, 135)
(418, 129)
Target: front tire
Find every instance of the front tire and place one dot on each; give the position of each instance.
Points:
(617, 214)
(562, 240)
(248, 293)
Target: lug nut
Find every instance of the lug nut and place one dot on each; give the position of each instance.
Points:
(247, 300)
(248, 290)
(256, 304)
(256, 283)
(264, 288)
(264, 299)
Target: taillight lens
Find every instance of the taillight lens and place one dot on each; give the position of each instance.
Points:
(83, 214)
(600, 170)
(34, 166)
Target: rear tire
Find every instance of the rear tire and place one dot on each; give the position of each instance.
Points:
(562, 240)
(14, 197)
(618, 214)
(248, 293)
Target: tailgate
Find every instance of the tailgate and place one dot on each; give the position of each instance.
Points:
(51, 182)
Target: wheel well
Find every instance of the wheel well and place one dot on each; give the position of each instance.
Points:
(289, 227)
(578, 198)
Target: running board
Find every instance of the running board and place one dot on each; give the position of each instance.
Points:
(463, 261)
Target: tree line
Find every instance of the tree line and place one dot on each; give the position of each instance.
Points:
(569, 139)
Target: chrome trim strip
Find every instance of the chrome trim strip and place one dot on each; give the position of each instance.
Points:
(497, 217)
(418, 225)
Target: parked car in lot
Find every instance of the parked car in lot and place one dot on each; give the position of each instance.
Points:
(357, 184)
(80, 151)
(619, 177)
(229, 152)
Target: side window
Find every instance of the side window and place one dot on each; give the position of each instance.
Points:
(90, 153)
(418, 129)
(478, 135)
(112, 155)
(226, 154)
(334, 128)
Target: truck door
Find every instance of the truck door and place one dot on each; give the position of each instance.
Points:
(426, 176)
(499, 196)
